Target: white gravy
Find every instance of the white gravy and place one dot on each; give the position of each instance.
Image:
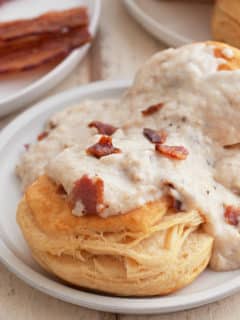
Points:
(201, 112)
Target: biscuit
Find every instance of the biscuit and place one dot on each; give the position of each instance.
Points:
(138, 254)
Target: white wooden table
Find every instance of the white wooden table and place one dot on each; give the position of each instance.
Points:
(120, 47)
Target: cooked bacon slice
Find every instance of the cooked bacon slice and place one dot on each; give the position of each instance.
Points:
(52, 125)
(50, 22)
(103, 128)
(152, 109)
(42, 135)
(102, 148)
(155, 136)
(90, 191)
(41, 50)
(232, 215)
(174, 152)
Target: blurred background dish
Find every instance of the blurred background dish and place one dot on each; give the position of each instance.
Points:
(174, 22)
(19, 89)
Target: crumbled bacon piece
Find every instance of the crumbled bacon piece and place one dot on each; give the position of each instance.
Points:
(52, 125)
(232, 215)
(219, 53)
(103, 128)
(152, 109)
(42, 135)
(90, 191)
(155, 136)
(224, 67)
(102, 148)
(174, 152)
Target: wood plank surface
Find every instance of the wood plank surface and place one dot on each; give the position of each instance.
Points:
(120, 47)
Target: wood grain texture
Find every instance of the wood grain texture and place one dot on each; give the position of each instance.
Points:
(120, 47)
(19, 301)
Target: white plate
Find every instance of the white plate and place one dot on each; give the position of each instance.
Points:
(14, 253)
(174, 22)
(17, 90)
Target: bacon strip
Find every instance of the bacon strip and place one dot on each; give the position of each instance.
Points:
(91, 194)
(42, 135)
(102, 148)
(232, 215)
(155, 136)
(152, 109)
(103, 128)
(43, 50)
(174, 152)
(50, 22)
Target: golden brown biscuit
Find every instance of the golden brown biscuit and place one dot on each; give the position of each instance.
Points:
(149, 251)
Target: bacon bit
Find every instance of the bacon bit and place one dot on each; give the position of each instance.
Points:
(155, 136)
(219, 53)
(231, 215)
(90, 192)
(103, 128)
(52, 125)
(232, 146)
(152, 109)
(42, 135)
(102, 148)
(224, 67)
(26, 146)
(179, 152)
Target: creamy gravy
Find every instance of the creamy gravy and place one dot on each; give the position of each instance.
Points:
(71, 128)
(201, 112)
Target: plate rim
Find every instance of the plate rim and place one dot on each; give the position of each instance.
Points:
(50, 79)
(85, 299)
(167, 36)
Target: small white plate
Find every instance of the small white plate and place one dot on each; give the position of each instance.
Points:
(19, 89)
(14, 253)
(174, 22)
